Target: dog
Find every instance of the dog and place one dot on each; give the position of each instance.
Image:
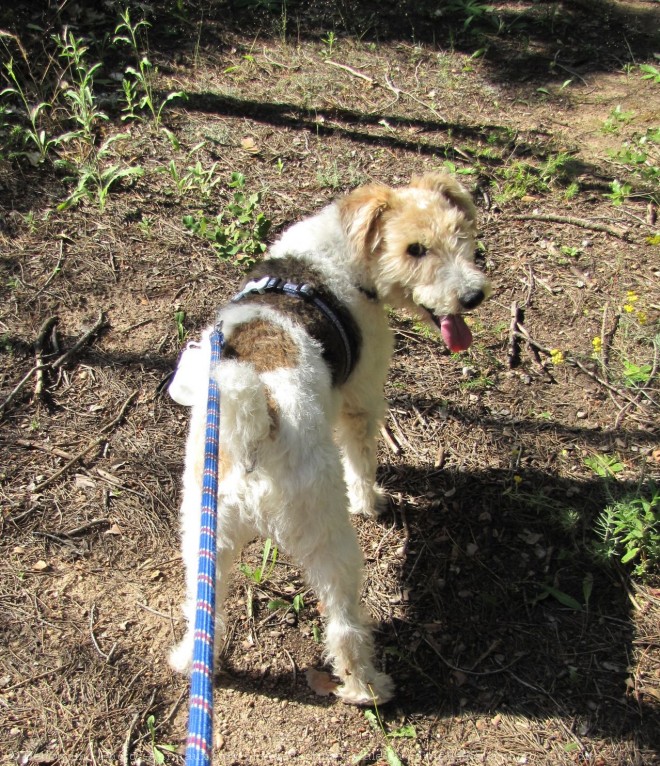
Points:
(307, 348)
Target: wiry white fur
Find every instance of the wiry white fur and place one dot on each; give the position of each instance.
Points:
(289, 480)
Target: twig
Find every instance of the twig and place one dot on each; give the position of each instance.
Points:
(18, 388)
(105, 656)
(390, 440)
(80, 343)
(49, 448)
(514, 346)
(39, 367)
(38, 353)
(436, 649)
(571, 221)
(352, 71)
(86, 527)
(126, 748)
(42, 485)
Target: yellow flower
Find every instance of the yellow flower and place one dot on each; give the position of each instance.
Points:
(632, 296)
(597, 343)
(628, 308)
(517, 479)
(641, 317)
(556, 356)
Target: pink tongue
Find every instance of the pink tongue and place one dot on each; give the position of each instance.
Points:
(455, 333)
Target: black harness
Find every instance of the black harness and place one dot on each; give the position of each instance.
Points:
(340, 351)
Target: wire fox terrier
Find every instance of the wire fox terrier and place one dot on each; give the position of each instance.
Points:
(301, 382)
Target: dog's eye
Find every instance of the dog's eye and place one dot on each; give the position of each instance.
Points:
(417, 250)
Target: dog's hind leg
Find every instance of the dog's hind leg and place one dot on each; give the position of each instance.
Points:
(333, 564)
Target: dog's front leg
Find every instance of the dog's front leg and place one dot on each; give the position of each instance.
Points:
(357, 434)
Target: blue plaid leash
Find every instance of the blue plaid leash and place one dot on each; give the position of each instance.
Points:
(199, 746)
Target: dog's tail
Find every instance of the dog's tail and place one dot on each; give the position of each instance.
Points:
(245, 420)
(245, 416)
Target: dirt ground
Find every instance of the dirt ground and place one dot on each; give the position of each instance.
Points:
(509, 641)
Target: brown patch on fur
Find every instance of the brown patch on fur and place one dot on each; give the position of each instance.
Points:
(450, 188)
(304, 313)
(265, 345)
(360, 214)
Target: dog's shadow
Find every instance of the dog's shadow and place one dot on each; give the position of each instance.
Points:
(494, 603)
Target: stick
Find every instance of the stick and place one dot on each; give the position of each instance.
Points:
(352, 71)
(47, 482)
(38, 353)
(17, 388)
(390, 440)
(44, 448)
(571, 221)
(81, 342)
(514, 345)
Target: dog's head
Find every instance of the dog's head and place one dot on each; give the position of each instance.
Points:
(415, 245)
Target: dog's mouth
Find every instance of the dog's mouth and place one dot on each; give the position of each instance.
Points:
(455, 332)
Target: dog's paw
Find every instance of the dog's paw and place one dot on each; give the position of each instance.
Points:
(377, 691)
(371, 502)
(181, 656)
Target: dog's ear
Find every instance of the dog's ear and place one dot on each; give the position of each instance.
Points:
(449, 187)
(361, 212)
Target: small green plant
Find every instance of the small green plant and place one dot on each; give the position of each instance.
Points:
(329, 177)
(94, 179)
(407, 731)
(329, 41)
(605, 466)
(239, 232)
(650, 72)
(80, 97)
(194, 178)
(259, 575)
(179, 319)
(619, 192)
(629, 530)
(158, 749)
(139, 91)
(33, 138)
(616, 119)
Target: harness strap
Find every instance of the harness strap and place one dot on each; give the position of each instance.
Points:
(309, 294)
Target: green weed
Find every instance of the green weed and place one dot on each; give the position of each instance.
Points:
(619, 192)
(239, 232)
(604, 465)
(407, 731)
(629, 530)
(33, 137)
(179, 319)
(259, 575)
(616, 119)
(139, 90)
(650, 72)
(94, 180)
(80, 97)
(158, 749)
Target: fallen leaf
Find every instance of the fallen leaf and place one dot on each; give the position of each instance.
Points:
(320, 682)
(114, 530)
(41, 566)
(250, 145)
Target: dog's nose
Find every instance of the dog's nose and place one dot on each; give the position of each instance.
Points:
(471, 299)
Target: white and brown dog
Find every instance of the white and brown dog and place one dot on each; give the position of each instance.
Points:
(301, 380)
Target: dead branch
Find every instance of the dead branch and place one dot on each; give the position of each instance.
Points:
(38, 354)
(94, 443)
(79, 343)
(571, 221)
(514, 345)
(352, 71)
